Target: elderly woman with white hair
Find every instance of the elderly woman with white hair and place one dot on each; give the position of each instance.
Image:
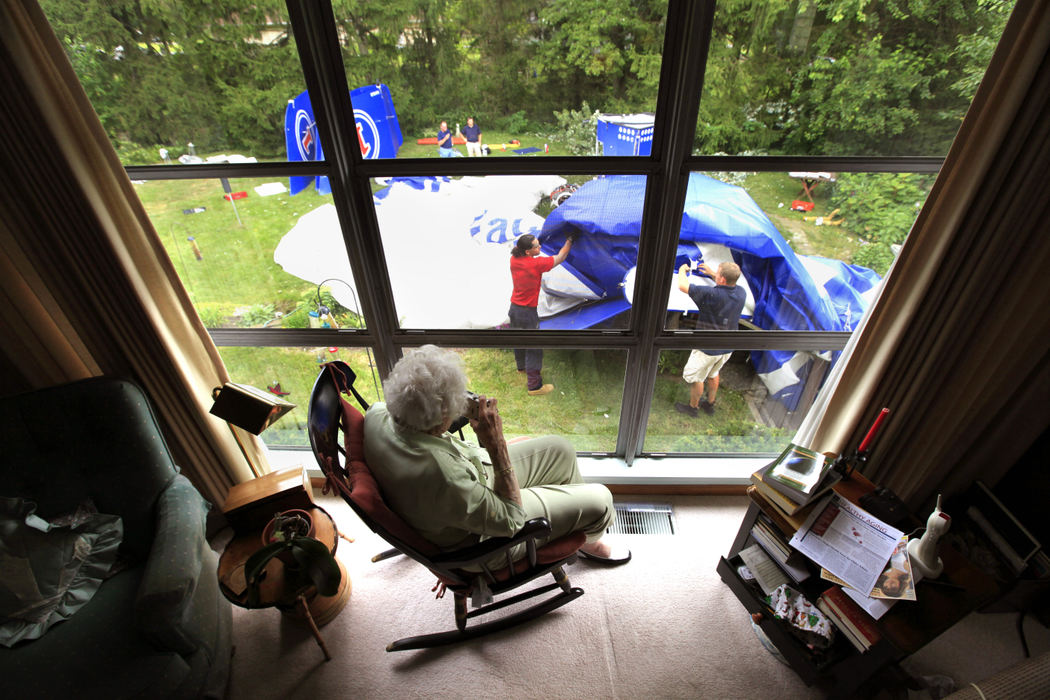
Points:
(453, 492)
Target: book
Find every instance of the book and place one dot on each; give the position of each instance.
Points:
(785, 504)
(793, 566)
(852, 617)
(768, 575)
(776, 540)
(798, 472)
(839, 624)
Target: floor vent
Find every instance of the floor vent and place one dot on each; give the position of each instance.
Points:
(643, 519)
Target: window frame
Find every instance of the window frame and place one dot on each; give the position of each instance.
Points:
(687, 38)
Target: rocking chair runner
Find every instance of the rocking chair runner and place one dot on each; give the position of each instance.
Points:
(342, 461)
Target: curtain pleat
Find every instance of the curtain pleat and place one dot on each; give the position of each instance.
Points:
(91, 289)
(958, 339)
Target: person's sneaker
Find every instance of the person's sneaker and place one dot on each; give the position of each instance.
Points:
(707, 407)
(545, 389)
(686, 409)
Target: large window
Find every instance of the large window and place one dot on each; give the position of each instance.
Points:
(293, 161)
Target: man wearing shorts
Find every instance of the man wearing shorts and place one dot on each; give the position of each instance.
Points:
(719, 309)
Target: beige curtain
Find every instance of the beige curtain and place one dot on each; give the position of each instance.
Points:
(85, 286)
(957, 344)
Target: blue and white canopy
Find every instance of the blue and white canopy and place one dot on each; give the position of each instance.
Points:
(786, 291)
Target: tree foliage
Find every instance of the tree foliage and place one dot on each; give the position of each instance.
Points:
(837, 77)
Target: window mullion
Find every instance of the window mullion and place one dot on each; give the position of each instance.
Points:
(678, 105)
(316, 35)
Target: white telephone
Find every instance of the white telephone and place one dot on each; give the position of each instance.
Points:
(923, 552)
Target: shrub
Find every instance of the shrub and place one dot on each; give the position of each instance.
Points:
(516, 123)
(875, 256)
(576, 129)
(880, 207)
(299, 317)
(214, 315)
(257, 315)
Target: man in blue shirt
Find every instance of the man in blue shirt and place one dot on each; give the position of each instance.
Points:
(472, 133)
(719, 309)
(444, 138)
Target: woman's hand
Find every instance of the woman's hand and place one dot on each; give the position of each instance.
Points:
(488, 425)
(489, 428)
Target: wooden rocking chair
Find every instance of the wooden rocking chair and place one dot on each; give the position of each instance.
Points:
(336, 430)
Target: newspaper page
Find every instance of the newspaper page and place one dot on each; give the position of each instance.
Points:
(847, 541)
(896, 581)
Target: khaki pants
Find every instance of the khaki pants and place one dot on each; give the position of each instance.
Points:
(552, 488)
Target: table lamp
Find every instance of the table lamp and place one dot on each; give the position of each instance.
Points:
(249, 408)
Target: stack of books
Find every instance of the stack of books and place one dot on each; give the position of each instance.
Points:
(855, 624)
(795, 479)
(766, 534)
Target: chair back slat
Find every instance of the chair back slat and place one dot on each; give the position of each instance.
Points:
(331, 413)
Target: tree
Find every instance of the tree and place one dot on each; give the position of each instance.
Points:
(607, 52)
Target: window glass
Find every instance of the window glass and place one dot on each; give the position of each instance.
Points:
(583, 405)
(760, 399)
(255, 257)
(290, 373)
(838, 77)
(537, 79)
(449, 245)
(184, 82)
(810, 248)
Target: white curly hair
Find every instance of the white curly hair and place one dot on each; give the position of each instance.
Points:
(426, 387)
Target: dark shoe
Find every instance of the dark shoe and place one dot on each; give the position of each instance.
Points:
(686, 409)
(620, 555)
(707, 407)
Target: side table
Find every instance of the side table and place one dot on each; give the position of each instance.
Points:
(275, 589)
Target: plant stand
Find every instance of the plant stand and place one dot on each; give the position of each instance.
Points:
(274, 590)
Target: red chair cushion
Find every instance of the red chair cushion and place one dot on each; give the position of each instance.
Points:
(364, 491)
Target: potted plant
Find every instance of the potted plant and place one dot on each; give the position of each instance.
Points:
(307, 561)
(284, 526)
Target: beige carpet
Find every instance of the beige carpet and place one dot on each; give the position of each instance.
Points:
(663, 626)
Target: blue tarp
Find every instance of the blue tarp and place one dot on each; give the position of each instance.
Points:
(791, 292)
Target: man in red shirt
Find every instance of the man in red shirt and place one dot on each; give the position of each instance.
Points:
(526, 269)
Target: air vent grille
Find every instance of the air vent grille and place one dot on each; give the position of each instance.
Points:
(643, 519)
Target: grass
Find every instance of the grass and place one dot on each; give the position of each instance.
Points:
(235, 282)
(496, 140)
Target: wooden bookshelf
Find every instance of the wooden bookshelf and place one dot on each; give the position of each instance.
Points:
(906, 628)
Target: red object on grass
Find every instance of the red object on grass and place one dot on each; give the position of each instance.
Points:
(432, 141)
(235, 195)
(799, 205)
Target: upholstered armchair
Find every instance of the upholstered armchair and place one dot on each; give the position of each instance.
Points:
(155, 624)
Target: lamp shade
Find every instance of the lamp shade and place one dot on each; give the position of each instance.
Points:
(247, 407)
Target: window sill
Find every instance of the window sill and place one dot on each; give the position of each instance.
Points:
(648, 471)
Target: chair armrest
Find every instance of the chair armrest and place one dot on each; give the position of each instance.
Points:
(486, 549)
(173, 568)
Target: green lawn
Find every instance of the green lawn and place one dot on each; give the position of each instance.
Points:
(236, 283)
